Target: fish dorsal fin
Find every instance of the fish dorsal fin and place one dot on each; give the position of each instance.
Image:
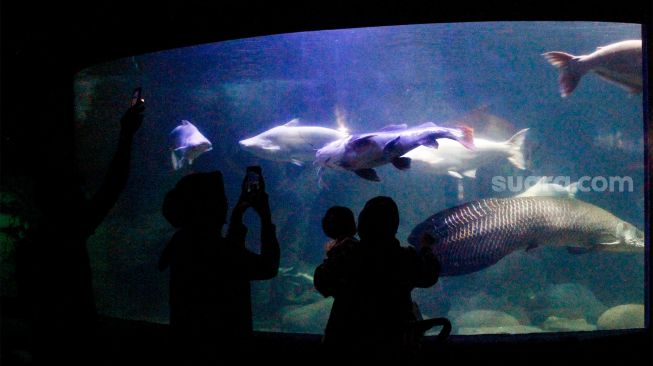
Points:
(362, 142)
(185, 122)
(426, 125)
(292, 123)
(402, 126)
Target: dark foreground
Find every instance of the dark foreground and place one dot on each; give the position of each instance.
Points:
(134, 342)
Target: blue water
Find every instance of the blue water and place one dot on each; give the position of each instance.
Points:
(376, 76)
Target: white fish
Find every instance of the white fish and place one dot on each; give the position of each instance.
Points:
(618, 63)
(544, 188)
(291, 142)
(362, 153)
(187, 143)
(454, 159)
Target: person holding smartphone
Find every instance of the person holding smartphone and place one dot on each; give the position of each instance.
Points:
(56, 275)
(210, 301)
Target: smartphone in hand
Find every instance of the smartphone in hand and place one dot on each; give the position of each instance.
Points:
(136, 96)
(253, 184)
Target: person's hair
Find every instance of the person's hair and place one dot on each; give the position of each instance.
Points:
(196, 196)
(338, 222)
(378, 219)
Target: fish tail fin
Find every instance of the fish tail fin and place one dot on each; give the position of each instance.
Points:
(572, 189)
(515, 149)
(570, 74)
(468, 137)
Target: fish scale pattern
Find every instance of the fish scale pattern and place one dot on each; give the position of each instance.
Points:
(475, 235)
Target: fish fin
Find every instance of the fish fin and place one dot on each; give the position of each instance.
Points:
(569, 75)
(515, 145)
(185, 122)
(391, 146)
(177, 161)
(468, 137)
(579, 250)
(369, 174)
(572, 189)
(426, 125)
(292, 123)
(297, 162)
(402, 126)
(470, 173)
(401, 163)
(455, 174)
(321, 184)
(360, 143)
(430, 140)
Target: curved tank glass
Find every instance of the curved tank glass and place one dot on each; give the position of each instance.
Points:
(549, 237)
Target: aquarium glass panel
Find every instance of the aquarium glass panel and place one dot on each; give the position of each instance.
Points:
(516, 146)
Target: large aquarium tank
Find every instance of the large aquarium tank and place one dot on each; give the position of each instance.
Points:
(542, 101)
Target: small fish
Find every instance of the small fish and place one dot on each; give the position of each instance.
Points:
(618, 63)
(544, 188)
(451, 158)
(477, 234)
(291, 142)
(362, 153)
(187, 143)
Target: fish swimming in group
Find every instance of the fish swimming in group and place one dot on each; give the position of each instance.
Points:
(451, 158)
(362, 153)
(291, 142)
(618, 63)
(544, 188)
(187, 144)
(477, 234)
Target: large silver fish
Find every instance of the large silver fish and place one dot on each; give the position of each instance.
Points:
(362, 153)
(476, 235)
(187, 143)
(291, 142)
(453, 159)
(618, 63)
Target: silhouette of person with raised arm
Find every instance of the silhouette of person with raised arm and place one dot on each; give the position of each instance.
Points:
(210, 303)
(56, 275)
(371, 284)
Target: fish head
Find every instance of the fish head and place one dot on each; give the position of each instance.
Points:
(625, 237)
(260, 145)
(329, 154)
